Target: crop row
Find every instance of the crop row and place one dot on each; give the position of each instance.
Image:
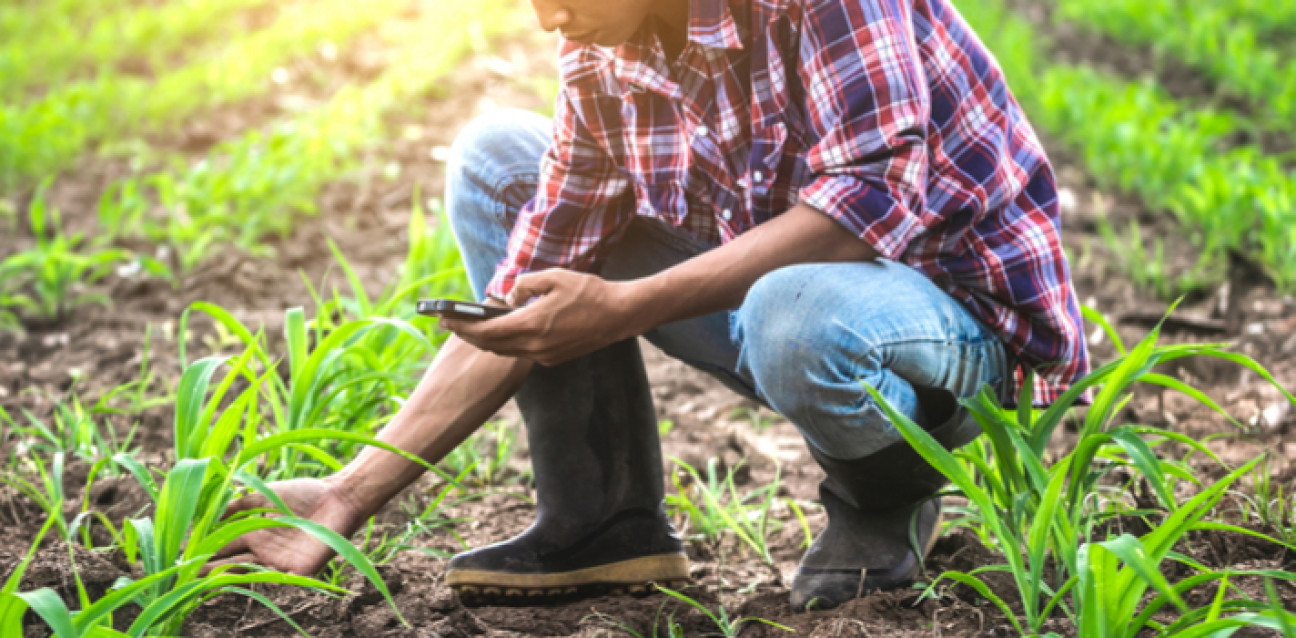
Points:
(245, 189)
(1135, 137)
(1273, 19)
(1049, 513)
(248, 187)
(234, 430)
(1208, 37)
(56, 52)
(244, 420)
(28, 16)
(42, 137)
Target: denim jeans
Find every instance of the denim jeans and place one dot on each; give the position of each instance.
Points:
(805, 339)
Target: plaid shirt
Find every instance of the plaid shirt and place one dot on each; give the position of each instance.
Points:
(890, 116)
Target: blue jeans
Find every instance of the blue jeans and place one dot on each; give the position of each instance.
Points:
(804, 341)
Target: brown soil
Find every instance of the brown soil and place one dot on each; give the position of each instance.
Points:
(99, 349)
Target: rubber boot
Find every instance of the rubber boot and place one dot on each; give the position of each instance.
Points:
(601, 525)
(881, 508)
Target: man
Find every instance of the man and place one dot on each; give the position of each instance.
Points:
(799, 197)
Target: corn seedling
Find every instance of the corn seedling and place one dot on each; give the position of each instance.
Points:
(1040, 514)
(48, 280)
(217, 452)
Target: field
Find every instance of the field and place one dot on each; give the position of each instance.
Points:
(215, 215)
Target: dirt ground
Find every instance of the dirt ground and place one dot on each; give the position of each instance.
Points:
(99, 348)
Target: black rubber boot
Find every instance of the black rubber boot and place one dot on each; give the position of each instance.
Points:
(601, 524)
(880, 508)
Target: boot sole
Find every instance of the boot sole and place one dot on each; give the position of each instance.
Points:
(635, 577)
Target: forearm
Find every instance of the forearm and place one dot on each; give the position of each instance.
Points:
(719, 279)
(462, 388)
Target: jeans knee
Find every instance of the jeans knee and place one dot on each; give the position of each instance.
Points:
(786, 345)
(812, 366)
(494, 151)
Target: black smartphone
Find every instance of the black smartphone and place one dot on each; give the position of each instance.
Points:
(465, 310)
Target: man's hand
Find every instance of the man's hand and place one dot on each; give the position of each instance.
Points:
(289, 549)
(573, 314)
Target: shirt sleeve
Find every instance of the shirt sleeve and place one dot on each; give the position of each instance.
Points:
(868, 106)
(576, 209)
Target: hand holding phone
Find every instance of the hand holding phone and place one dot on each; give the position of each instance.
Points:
(462, 310)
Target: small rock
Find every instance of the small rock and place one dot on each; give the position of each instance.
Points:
(1275, 414)
(1066, 200)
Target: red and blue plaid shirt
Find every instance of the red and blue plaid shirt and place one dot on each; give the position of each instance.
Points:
(890, 116)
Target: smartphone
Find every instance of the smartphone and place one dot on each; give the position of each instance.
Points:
(465, 310)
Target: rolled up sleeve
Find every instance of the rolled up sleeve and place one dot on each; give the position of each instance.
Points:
(869, 110)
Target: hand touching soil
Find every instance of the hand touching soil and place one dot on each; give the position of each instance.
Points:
(289, 549)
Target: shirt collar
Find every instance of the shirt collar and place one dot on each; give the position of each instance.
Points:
(641, 62)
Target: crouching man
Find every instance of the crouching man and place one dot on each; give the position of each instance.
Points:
(797, 197)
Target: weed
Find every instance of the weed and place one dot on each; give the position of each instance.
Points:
(485, 454)
(712, 506)
(46, 492)
(72, 430)
(760, 418)
(728, 627)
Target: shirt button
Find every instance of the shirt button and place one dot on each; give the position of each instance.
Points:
(758, 176)
(727, 214)
(703, 131)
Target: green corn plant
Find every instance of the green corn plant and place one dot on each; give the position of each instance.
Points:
(341, 383)
(712, 506)
(94, 619)
(53, 273)
(728, 627)
(367, 355)
(1037, 514)
(221, 448)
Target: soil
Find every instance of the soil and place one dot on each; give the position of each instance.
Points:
(98, 349)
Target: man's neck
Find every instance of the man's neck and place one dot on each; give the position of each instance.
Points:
(672, 26)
